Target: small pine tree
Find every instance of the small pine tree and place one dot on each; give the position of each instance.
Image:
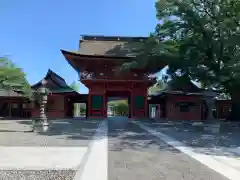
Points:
(75, 86)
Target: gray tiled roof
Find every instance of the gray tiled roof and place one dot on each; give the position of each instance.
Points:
(55, 83)
(108, 45)
(178, 87)
(9, 93)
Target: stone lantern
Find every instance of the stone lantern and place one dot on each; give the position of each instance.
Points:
(43, 97)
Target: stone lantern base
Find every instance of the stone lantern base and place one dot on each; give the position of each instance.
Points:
(45, 126)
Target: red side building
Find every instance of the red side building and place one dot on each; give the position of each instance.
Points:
(180, 101)
(61, 97)
(13, 105)
(223, 109)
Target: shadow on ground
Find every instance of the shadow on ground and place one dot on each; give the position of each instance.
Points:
(75, 129)
(224, 142)
(124, 135)
(68, 132)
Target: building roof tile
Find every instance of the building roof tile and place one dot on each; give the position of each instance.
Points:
(108, 45)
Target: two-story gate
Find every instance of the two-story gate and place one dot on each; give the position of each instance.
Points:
(98, 62)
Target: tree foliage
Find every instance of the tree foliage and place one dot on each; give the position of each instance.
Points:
(207, 34)
(82, 110)
(197, 38)
(120, 106)
(13, 78)
(75, 86)
(151, 54)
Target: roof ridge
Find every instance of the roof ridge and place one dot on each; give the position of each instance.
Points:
(49, 74)
(112, 38)
(52, 72)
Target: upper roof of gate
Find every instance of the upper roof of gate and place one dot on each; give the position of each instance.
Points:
(118, 46)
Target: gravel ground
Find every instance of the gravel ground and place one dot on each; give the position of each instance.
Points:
(37, 175)
(133, 154)
(62, 133)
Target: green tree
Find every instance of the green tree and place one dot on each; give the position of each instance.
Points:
(13, 78)
(199, 39)
(83, 110)
(207, 34)
(120, 106)
(75, 86)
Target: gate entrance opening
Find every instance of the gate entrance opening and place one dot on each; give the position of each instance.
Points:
(79, 109)
(118, 103)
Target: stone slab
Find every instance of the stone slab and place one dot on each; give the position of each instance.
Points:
(96, 165)
(40, 158)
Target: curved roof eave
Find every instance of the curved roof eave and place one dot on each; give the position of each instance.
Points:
(95, 56)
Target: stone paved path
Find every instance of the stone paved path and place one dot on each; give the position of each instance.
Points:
(133, 154)
(218, 150)
(63, 133)
(54, 155)
(197, 137)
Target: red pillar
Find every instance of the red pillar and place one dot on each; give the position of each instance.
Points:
(104, 105)
(89, 104)
(146, 105)
(132, 104)
(143, 112)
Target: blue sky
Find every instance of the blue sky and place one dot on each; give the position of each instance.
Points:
(33, 32)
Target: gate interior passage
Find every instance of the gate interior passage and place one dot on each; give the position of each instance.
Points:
(97, 62)
(125, 96)
(137, 100)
